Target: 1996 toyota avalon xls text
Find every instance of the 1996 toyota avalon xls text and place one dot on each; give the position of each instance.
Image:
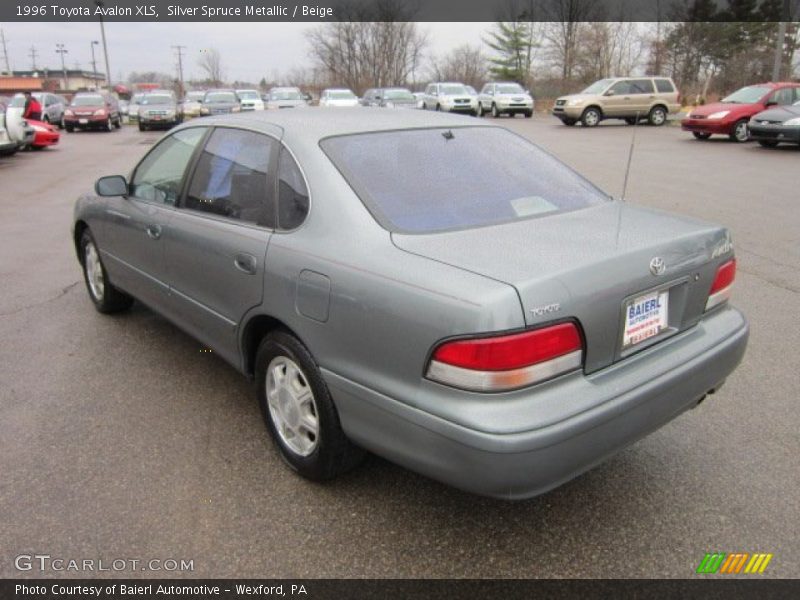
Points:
(438, 291)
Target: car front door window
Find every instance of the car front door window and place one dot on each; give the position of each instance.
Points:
(158, 177)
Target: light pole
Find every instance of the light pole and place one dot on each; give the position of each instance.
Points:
(100, 4)
(60, 49)
(94, 63)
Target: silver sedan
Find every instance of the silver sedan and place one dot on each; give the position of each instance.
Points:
(435, 290)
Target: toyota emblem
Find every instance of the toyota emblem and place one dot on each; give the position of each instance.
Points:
(657, 266)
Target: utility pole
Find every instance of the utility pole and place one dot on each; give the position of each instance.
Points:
(180, 49)
(5, 51)
(33, 54)
(60, 49)
(778, 62)
(100, 4)
(94, 62)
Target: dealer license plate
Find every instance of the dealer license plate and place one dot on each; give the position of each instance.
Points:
(645, 317)
(83, 121)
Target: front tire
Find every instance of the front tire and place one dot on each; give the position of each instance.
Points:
(740, 132)
(495, 112)
(768, 143)
(141, 126)
(481, 112)
(69, 128)
(299, 412)
(528, 114)
(106, 298)
(109, 125)
(700, 135)
(591, 117)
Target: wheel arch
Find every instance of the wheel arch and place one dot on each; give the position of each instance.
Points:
(80, 227)
(254, 330)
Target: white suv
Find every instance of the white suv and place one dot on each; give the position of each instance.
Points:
(450, 97)
(505, 98)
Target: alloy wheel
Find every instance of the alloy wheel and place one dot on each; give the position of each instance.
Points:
(291, 406)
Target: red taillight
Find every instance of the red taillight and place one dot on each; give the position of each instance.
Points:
(507, 361)
(721, 287)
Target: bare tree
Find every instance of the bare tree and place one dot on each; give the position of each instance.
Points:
(375, 44)
(567, 19)
(465, 64)
(609, 49)
(211, 62)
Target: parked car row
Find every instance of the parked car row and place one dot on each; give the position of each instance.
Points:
(765, 112)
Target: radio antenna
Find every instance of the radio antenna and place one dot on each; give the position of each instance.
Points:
(630, 157)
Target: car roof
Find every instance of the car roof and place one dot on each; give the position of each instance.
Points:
(315, 123)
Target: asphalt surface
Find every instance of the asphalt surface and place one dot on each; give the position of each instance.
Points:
(120, 439)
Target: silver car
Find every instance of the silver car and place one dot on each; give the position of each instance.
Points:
(504, 98)
(450, 97)
(435, 290)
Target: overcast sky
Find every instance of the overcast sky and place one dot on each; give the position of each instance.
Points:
(249, 51)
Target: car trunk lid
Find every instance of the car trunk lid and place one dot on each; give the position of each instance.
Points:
(588, 265)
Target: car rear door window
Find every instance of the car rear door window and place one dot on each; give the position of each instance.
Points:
(664, 86)
(438, 179)
(783, 97)
(231, 177)
(642, 86)
(292, 193)
(158, 177)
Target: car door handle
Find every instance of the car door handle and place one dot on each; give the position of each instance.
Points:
(245, 263)
(153, 231)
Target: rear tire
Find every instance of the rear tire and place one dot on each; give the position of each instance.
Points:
(657, 116)
(69, 128)
(591, 117)
(106, 298)
(299, 412)
(740, 133)
(699, 135)
(141, 126)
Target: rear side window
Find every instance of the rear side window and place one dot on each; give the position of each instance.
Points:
(231, 178)
(426, 180)
(664, 86)
(292, 193)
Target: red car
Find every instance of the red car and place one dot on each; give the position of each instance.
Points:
(730, 115)
(45, 134)
(92, 110)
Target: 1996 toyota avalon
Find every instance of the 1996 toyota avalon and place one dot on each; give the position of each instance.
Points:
(438, 291)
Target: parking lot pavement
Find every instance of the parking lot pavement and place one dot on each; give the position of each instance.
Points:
(122, 439)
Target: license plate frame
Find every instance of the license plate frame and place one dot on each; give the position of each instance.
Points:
(83, 121)
(644, 317)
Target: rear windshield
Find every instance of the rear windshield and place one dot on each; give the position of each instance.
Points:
(426, 180)
(87, 101)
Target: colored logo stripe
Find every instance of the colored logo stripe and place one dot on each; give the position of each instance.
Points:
(733, 563)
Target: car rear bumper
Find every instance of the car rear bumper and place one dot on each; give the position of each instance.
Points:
(707, 126)
(774, 133)
(626, 402)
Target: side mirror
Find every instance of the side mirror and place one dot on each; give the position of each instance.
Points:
(609, 93)
(112, 185)
(771, 103)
